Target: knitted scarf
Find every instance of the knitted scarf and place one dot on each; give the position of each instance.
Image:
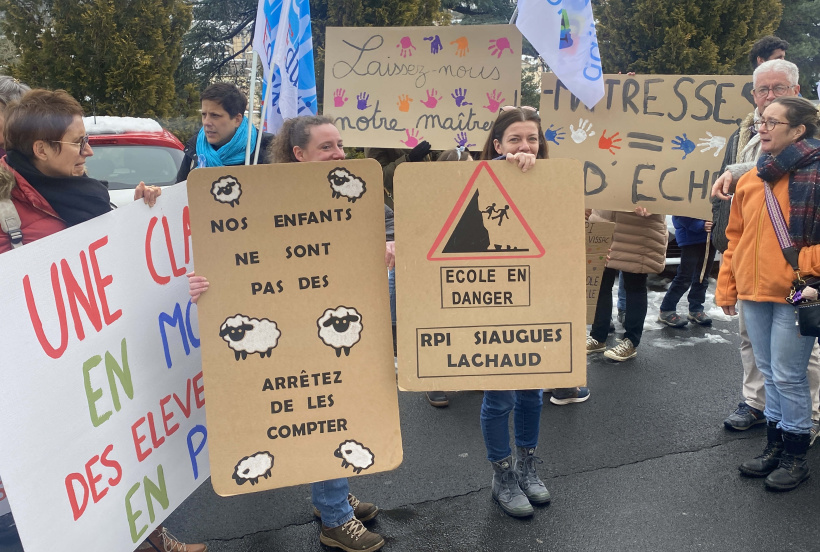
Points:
(802, 161)
(75, 198)
(232, 153)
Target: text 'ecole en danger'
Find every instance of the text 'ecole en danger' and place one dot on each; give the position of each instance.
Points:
(485, 223)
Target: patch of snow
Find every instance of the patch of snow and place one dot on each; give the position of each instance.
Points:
(120, 125)
(683, 341)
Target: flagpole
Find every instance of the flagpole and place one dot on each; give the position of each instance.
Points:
(250, 106)
(265, 104)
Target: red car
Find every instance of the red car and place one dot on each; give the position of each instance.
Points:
(128, 150)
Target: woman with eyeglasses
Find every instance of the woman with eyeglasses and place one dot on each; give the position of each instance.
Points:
(43, 171)
(756, 272)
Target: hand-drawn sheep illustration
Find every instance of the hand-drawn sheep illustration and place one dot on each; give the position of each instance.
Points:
(250, 335)
(354, 454)
(340, 328)
(227, 190)
(345, 183)
(252, 467)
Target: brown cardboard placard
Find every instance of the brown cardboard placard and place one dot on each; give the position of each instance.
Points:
(295, 328)
(392, 87)
(654, 140)
(489, 275)
(599, 240)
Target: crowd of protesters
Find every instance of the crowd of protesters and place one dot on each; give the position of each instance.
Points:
(774, 153)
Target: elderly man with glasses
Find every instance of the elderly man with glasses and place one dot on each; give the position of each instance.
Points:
(772, 79)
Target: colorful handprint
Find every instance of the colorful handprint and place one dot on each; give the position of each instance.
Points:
(712, 142)
(498, 45)
(494, 101)
(583, 131)
(435, 44)
(361, 101)
(461, 140)
(683, 144)
(404, 102)
(554, 135)
(462, 46)
(431, 100)
(609, 143)
(406, 46)
(460, 96)
(339, 97)
(413, 137)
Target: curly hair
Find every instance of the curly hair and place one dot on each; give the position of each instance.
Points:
(295, 132)
(765, 47)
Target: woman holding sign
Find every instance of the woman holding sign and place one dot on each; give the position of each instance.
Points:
(43, 174)
(300, 139)
(774, 243)
(516, 136)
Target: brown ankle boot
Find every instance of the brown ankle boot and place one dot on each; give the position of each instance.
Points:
(162, 541)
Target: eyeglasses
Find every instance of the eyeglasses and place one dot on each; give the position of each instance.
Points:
(768, 123)
(778, 90)
(504, 108)
(82, 143)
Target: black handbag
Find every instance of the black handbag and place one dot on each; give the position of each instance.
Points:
(808, 311)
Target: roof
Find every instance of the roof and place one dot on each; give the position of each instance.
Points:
(120, 125)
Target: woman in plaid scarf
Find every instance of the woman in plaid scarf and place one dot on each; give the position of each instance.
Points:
(756, 272)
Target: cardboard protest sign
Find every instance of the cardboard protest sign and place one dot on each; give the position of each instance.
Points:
(393, 87)
(599, 240)
(654, 140)
(489, 275)
(296, 338)
(102, 395)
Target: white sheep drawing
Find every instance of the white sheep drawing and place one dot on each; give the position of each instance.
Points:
(227, 190)
(340, 328)
(354, 454)
(345, 183)
(250, 335)
(252, 467)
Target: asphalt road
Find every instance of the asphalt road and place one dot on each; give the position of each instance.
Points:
(643, 465)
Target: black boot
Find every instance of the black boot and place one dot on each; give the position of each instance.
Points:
(766, 463)
(793, 468)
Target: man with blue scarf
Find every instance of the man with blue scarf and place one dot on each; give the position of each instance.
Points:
(223, 137)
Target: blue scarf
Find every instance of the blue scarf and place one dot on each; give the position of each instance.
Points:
(232, 153)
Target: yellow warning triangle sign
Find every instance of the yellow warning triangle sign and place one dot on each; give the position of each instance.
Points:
(485, 223)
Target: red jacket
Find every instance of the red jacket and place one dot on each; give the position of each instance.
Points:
(37, 217)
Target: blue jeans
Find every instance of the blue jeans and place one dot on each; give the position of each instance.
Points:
(635, 286)
(782, 356)
(330, 498)
(495, 420)
(621, 292)
(691, 265)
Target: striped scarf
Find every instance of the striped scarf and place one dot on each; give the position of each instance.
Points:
(802, 161)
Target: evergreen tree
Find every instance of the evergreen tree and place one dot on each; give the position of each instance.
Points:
(800, 27)
(681, 36)
(117, 57)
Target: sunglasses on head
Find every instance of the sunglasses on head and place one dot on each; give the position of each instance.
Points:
(504, 108)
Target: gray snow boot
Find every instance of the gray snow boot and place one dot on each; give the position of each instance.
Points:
(528, 480)
(507, 492)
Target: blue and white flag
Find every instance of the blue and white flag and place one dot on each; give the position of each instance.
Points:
(283, 40)
(563, 32)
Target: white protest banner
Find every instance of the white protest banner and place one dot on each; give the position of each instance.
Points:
(654, 140)
(4, 501)
(102, 393)
(393, 87)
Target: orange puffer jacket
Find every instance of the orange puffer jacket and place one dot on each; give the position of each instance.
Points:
(754, 268)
